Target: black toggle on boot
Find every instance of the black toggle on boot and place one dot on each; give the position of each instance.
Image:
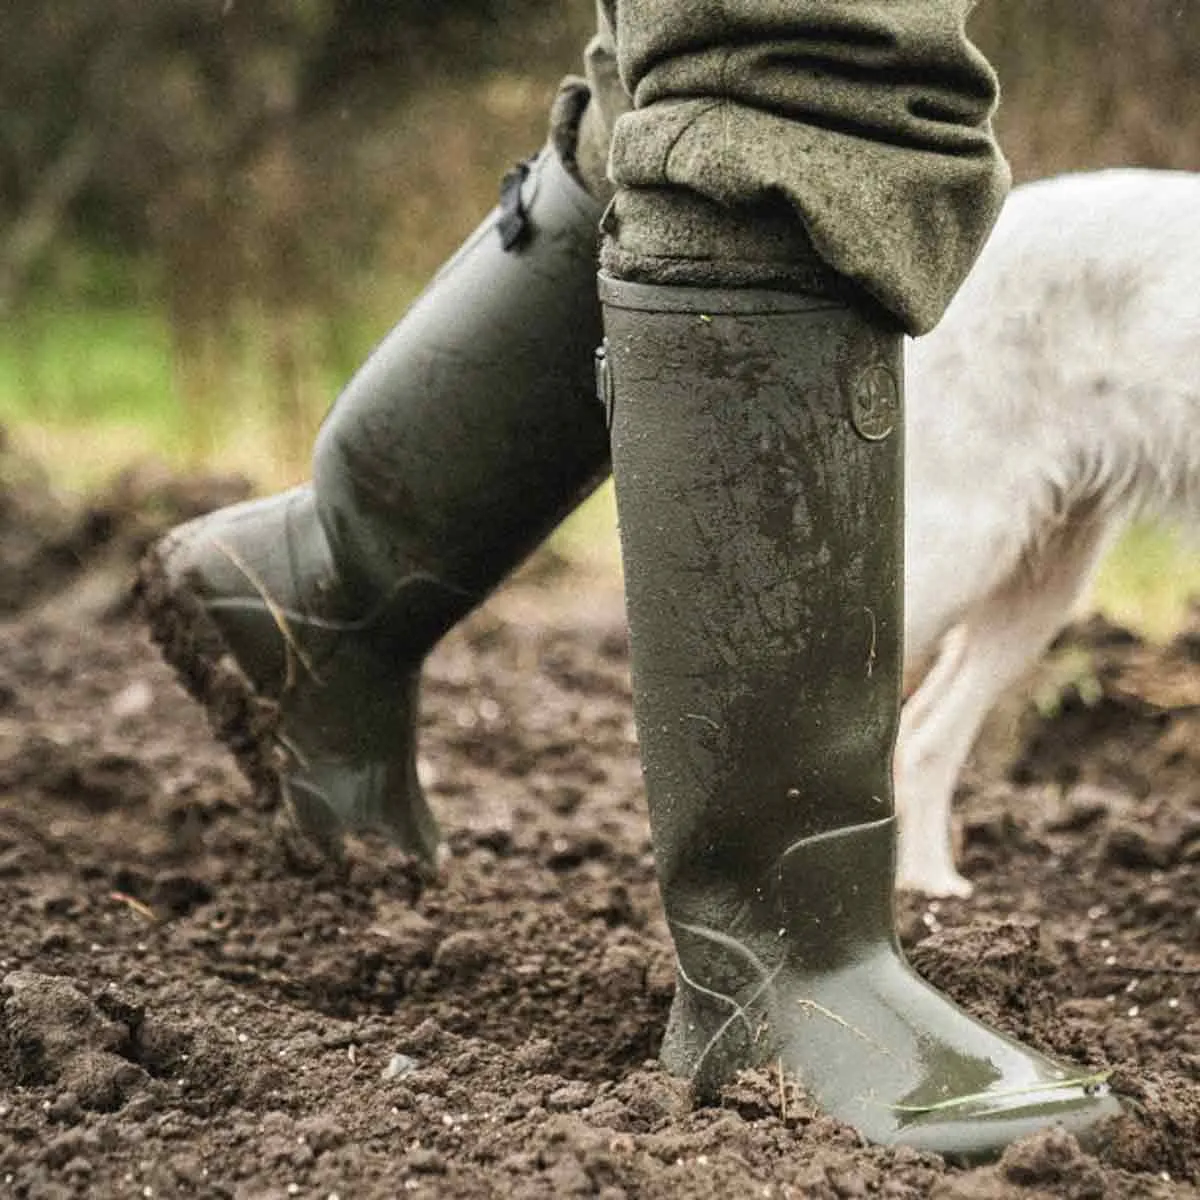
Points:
(301, 621)
(757, 455)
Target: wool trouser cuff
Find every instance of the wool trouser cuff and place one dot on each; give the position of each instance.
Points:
(864, 124)
(677, 237)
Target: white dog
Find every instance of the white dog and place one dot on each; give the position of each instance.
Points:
(1059, 397)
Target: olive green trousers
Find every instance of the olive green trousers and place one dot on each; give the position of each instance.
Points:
(737, 137)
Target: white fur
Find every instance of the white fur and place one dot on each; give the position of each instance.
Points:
(1059, 397)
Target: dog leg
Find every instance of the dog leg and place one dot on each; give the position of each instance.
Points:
(926, 768)
(1000, 639)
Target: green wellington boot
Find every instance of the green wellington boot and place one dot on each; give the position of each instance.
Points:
(757, 454)
(301, 621)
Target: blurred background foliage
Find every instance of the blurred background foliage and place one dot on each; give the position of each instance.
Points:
(211, 209)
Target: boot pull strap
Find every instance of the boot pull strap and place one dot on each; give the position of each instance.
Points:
(513, 224)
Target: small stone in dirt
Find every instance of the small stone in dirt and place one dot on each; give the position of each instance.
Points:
(400, 1065)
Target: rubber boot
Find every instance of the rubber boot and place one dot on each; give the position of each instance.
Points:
(757, 454)
(301, 621)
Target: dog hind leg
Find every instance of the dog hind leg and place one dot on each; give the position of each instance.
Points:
(1002, 635)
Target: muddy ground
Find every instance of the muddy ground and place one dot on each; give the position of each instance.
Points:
(192, 1005)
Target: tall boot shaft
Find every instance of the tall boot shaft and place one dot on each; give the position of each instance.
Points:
(468, 435)
(765, 642)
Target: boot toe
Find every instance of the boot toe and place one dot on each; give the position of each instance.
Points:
(318, 710)
(981, 1131)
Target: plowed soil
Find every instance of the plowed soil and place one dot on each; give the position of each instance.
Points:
(192, 1004)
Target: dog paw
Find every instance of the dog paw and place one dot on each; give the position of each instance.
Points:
(934, 883)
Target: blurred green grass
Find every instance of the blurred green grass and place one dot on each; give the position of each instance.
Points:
(87, 392)
(68, 366)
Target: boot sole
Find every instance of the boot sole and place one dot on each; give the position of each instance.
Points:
(240, 717)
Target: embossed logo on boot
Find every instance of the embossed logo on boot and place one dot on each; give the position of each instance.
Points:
(875, 402)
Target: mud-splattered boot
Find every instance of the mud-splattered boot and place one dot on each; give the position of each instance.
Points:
(757, 458)
(301, 621)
